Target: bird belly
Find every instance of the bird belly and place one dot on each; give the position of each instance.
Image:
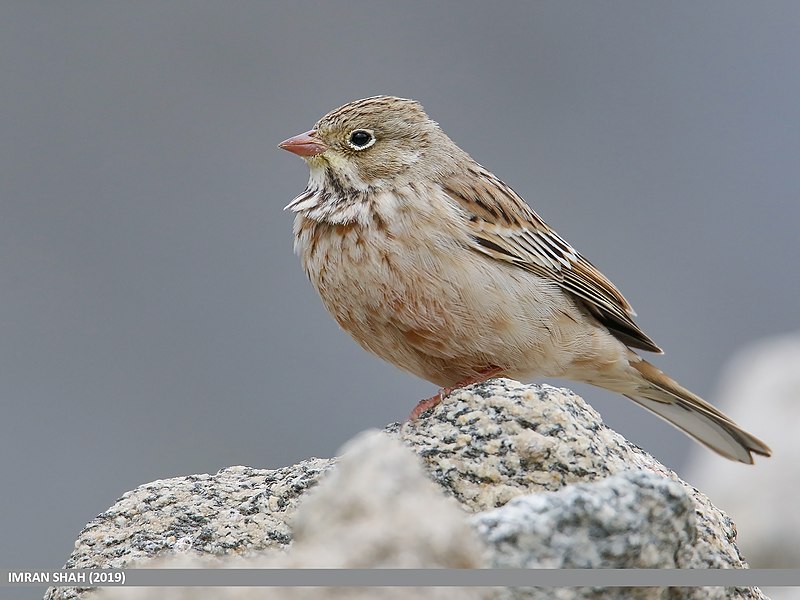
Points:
(440, 311)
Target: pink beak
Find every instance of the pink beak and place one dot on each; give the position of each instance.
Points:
(306, 144)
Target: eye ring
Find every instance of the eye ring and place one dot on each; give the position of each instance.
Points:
(361, 139)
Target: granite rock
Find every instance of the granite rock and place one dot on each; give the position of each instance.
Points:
(582, 496)
(500, 439)
(635, 519)
(632, 520)
(376, 509)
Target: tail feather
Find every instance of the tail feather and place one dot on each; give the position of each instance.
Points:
(693, 415)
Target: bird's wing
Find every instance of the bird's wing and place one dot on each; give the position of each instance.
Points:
(505, 228)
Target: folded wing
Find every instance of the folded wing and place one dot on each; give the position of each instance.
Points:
(505, 228)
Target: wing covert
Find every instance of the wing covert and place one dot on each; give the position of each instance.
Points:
(505, 228)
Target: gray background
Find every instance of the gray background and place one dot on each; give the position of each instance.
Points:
(154, 319)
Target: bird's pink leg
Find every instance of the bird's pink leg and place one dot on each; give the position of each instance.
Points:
(429, 403)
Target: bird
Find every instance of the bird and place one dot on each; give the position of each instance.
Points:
(431, 262)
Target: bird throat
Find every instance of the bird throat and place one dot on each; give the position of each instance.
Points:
(328, 198)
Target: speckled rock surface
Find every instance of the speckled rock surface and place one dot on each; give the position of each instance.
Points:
(632, 520)
(239, 510)
(497, 440)
(483, 445)
(376, 509)
(635, 519)
(493, 441)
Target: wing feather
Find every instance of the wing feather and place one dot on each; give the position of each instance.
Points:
(505, 228)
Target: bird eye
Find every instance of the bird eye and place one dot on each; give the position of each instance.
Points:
(361, 139)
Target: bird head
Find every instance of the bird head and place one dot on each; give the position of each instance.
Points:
(374, 143)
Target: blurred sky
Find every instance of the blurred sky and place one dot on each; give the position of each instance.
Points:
(154, 320)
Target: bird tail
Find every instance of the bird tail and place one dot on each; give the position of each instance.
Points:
(663, 396)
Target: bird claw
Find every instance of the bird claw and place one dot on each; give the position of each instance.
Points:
(429, 403)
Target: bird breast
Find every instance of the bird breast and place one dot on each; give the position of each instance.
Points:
(403, 281)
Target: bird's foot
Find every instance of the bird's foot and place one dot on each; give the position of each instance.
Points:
(429, 403)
